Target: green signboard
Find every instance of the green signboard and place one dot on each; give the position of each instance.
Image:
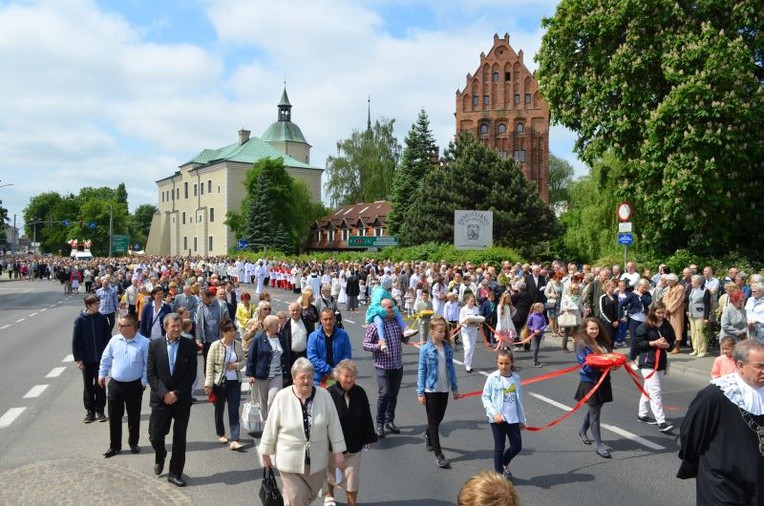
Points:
(120, 243)
(362, 241)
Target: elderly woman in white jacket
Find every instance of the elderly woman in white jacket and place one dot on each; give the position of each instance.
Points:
(302, 424)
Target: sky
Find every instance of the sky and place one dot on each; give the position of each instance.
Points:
(94, 93)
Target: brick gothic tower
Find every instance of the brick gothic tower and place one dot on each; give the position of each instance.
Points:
(501, 106)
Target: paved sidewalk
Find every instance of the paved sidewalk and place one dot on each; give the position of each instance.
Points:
(80, 481)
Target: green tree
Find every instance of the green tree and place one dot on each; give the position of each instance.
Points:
(416, 162)
(674, 89)
(475, 177)
(560, 179)
(591, 223)
(277, 211)
(140, 223)
(365, 165)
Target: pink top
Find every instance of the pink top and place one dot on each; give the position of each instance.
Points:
(722, 365)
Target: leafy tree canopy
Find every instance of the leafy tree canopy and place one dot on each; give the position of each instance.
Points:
(364, 166)
(674, 89)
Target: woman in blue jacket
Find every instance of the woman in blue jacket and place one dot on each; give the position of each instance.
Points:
(436, 376)
(592, 337)
(267, 362)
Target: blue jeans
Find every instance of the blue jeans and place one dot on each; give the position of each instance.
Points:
(620, 336)
(502, 432)
(230, 393)
(381, 325)
(389, 383)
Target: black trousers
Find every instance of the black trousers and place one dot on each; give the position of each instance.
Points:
(388, 385)
(159, 427)
(93, 396)
(124, 395)
(110, 319)
(435, 403)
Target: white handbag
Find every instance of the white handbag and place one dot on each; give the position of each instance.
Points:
(252, 414)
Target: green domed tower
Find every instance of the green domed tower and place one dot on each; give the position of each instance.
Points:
(285, 135)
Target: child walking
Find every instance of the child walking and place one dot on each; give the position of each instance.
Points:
(436, 376)
(502, 399)
(536, 327)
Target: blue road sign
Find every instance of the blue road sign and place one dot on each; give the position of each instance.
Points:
(625, 239)
(66, 223)
(91, 224)
(243, 244)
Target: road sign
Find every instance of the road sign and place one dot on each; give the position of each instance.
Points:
(120, 243)
(624, 211)
(624, 228)
(91, 224)
(362, 241)
(625, 239)
(242, 244)
(66, 223)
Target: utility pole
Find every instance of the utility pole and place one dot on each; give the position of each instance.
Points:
(111, 228)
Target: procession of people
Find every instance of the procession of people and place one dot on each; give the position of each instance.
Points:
(311, 343)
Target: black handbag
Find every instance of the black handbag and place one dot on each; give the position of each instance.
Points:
(270, 495)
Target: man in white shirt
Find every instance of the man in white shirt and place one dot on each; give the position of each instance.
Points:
(631, 276)
(296, 334)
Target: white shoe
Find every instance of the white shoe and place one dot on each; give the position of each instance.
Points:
(701, 355)
(693, 353)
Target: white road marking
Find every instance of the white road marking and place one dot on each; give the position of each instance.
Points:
(10, 416)
(68, 358)
(31, 315)
(611, 428)
(5, 326)
(43, 309)
(55, 372)
(35, 391)
(348, 321)
(21, 320)
(550, 401)
(53, 305)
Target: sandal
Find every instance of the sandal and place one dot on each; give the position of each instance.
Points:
(329, 501)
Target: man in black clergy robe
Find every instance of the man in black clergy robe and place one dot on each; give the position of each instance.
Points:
(722, 435)
(171, 371)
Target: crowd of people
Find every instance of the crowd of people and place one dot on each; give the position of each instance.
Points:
(299, 364)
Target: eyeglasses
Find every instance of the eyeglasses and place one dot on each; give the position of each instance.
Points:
(266, 309)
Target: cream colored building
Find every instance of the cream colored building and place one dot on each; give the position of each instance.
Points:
(194, 201)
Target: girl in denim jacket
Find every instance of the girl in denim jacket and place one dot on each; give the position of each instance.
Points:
(502, 399)
(436, 376)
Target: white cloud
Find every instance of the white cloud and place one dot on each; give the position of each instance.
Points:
(87, 101)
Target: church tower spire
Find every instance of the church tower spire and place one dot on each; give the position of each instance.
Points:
(368, 114)
(285, 108)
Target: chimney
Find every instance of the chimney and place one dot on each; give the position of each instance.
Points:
(243, 136)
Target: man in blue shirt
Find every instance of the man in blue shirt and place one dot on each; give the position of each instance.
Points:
(109, 301)
(125, 356)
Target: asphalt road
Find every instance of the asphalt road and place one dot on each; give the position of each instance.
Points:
(44, 423)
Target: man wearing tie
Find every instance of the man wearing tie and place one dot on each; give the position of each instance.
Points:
(171, 371)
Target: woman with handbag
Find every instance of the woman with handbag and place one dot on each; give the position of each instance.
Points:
(353, 409)
(267, 362)
(225, 361)
(300, 436)
(571, 309)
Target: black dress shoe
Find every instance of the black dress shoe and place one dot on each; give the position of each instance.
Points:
(135, 449)
(381, 431)
(110, 453)
(584, 438)
(176, 480)
(392, 428)
(158, 467)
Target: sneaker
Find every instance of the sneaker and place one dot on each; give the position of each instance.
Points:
(441, 460)
(89, 417)
(647, 420)
(701, 355)
(664, 427)
(508, 474)
(101, 416)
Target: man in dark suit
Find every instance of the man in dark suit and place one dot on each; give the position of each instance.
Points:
(171, 372)
(536, 284)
